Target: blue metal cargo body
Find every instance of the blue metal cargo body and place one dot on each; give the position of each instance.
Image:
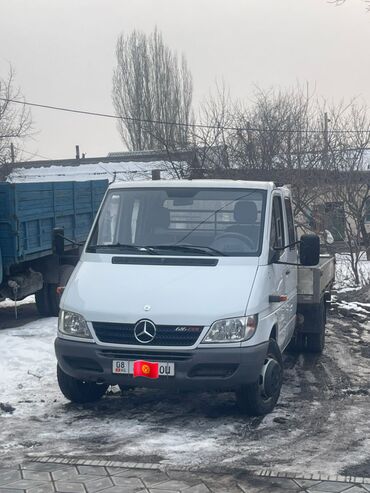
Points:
(30, 211)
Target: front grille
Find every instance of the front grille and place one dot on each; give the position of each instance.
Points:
(145, 355)
(166, 335)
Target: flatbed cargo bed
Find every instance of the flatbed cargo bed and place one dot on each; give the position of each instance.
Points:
(313, 282)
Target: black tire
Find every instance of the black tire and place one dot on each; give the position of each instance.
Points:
(315, 341)
(255, 399)
(297, 343)
(79, 391)
(65, 272)
(42, 301)
(311, 342)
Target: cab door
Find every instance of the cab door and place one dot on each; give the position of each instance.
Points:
(291, 270)
(279, 272)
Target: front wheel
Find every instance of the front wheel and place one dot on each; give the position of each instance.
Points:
(79, 391)
(260, 397)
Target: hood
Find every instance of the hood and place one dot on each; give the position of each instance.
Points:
(189, 295)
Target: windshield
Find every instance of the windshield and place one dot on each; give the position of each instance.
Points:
(180, 221)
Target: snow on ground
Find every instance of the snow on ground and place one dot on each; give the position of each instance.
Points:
(25, 301)
(320, 423)
(345, 287)
(344, 277)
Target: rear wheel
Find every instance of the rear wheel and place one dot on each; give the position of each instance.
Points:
(261, 397)
(311, 342)
(315, 341)
(79, 391)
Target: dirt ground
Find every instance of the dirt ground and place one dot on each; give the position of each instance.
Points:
(319, 425)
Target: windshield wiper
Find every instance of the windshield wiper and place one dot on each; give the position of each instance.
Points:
(118, 246)
(200, 250)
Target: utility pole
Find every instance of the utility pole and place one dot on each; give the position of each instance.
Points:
(12, 153)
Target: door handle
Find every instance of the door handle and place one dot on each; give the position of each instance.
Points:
(287, 272)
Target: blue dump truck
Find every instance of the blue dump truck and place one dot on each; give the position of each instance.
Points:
(34, 217)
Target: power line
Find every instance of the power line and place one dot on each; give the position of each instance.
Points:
(181, 124)
(32, 153)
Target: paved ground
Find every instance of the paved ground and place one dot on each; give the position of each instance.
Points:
(50, 477)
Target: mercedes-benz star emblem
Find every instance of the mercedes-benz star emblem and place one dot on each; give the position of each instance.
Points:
(145, 331)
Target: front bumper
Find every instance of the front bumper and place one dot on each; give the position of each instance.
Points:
(201, 368)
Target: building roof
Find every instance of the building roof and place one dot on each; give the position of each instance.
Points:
(125, 166)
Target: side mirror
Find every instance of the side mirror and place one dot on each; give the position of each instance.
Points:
(58, 241)
(309, 251)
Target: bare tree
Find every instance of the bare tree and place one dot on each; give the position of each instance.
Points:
(151, 85)
(15, 121)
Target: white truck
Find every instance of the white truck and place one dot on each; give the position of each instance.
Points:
(199, 278)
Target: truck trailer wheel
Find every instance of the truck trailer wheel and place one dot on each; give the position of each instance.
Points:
(42, 301)
(261, 397)
(79, 391)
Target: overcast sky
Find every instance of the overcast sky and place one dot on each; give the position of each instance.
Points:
(63, 54)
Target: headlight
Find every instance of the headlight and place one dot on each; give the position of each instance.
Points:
(231, 330)
(73, 324)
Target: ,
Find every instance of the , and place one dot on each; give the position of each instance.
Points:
(198, 283)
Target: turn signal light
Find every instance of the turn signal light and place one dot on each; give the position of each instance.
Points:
(277, 298)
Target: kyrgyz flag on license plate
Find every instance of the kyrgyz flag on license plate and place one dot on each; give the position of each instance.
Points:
(145, 369)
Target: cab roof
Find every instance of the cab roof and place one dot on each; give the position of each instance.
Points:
(260, 185)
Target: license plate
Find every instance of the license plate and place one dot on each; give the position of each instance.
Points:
(122, 367)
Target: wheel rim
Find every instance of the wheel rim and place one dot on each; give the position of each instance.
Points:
(271, 378)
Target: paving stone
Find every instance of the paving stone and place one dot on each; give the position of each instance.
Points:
(306, 483)
(282, 483)
(98, 484)
(43, 466)
(6, 490)
(24, 484)
(152, 478)
(82, 478)
(40, 475)
(246, 487)
(198, 488)
(329, 487)
(174, 484)
(124, 489)
(65, 474)
(356, 489)
(277, 489)
(188, 477)
(46, 488)
(93, 470)
(9, 476)
(133, 484)
(69, 487)
(114, 471)
(231, 488)
(163, 491)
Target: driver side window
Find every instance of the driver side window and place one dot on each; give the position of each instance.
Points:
(277, 224)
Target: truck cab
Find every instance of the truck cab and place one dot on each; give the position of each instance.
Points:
(196, 279)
